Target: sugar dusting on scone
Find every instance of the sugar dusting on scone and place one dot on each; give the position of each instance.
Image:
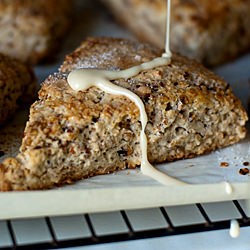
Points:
(73, 135)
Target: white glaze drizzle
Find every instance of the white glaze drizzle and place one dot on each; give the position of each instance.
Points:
(167, 38)
(228, 187)
(82, 79)
(234, 230)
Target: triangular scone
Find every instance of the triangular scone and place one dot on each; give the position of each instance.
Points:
(32, 30)
(72, 135)
(210, 31)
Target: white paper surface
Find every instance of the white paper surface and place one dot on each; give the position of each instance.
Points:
(205, 169)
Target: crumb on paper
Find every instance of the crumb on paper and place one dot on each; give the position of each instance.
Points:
(68, 181)
(244, 171)
(189, 166)
(224, 164)
(128, 173)
(246, 163)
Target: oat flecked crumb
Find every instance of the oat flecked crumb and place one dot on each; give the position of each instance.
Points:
(74, 135)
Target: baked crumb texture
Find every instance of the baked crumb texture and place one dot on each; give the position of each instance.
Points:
(73, 135)
(17, 86)
(210, 31)
(31, 29)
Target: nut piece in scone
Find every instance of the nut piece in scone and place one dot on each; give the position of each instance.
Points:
(73, 135)
(17, 86)
(210, 31)
(31, 29)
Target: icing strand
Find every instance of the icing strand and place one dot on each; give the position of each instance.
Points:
(82, 79)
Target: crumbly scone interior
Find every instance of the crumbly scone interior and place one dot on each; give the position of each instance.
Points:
(71, 135)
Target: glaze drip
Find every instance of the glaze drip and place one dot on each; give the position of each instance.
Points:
(234, 230)
(82, 79)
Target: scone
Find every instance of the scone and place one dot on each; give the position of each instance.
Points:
(17, 86)
(72, 135)
(210, 31)
(30, 29)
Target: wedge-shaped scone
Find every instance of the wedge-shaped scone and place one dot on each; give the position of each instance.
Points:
(30, 29)
(210, 31)
(17, 86)
(72, 135)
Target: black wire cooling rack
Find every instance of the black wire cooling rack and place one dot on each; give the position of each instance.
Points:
(131, 233)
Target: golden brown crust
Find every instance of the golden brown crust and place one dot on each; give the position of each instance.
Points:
(210, 31)
(30, 30)
(71, 135)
